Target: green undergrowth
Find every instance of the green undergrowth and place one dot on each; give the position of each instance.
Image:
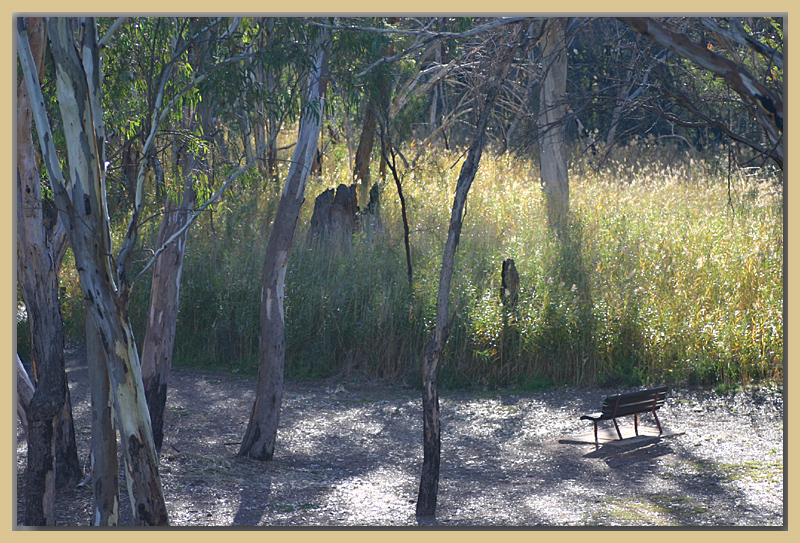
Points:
(665, 274)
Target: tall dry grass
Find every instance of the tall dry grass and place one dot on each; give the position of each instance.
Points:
(666, 275)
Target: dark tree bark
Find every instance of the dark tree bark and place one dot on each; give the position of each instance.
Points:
(552, 110)
(41, 244)
(406, 231)
(509, 290)
(335, 217)
(429, 479)
(262, 428)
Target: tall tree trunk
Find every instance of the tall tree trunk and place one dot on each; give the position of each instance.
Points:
(104, 455)
(552, 110)
(162, 321)
(429, 479)
(361, 171)
(41, 244)
(83, 209)
(262, 428)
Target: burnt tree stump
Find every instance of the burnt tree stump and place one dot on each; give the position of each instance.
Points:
(509, 290)
(335, 216)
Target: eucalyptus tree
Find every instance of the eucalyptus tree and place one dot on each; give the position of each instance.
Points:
(552, 112)
(186, 156)
(259, 439)
(193, 49)
(80, 194)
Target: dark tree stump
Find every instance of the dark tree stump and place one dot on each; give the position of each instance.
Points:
(509, 291)
(321, 217)
(335, 216)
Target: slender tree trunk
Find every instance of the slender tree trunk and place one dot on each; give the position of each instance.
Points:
(83, 209)
(552, 110)
(406, 230)
(104, 455)
(433, 115)
(41, 244)
(361, 171)
(429, 479)
(162, 321)
(262, 428)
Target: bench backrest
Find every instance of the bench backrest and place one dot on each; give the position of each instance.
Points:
(634, 402)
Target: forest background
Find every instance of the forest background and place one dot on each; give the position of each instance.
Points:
(677, 254)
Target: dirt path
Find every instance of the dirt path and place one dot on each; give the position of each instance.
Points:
(349, 454)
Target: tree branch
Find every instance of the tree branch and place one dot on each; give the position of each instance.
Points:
(105, 39)
(739, 35)
(768, 102)
(737, 76)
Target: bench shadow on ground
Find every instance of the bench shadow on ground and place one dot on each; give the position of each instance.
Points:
(680, 485)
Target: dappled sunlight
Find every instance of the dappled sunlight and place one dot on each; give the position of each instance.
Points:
(349, 452)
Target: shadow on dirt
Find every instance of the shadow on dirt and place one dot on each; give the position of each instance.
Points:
(350, 456)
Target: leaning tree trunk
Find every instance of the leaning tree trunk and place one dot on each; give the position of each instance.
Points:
(262, 428)
(162, 321)
(429, 479)
(82, 207)
(552, 110)
(41, 244)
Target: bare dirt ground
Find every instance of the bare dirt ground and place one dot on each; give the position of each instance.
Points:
(349, 454)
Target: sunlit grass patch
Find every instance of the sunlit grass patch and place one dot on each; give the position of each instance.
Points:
(668, 273)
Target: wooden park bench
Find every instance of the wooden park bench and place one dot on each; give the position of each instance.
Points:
(630, 403)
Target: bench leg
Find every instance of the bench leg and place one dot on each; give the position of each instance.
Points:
(636, 423)
(595, 431)
(617, 427)
(660, 431)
